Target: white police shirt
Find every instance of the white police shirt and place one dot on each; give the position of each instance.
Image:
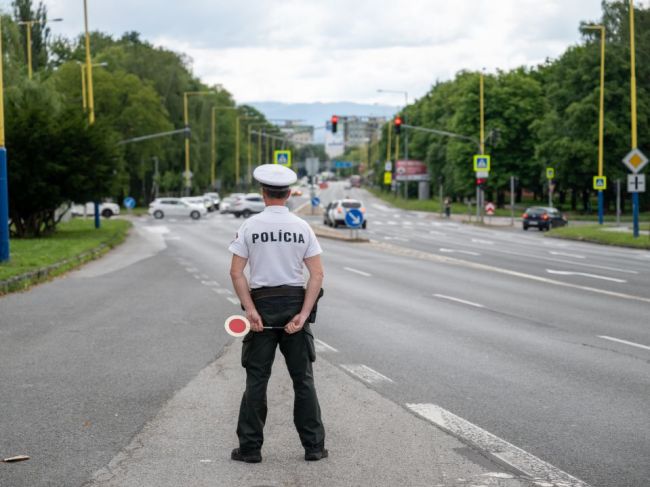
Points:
(275, 242)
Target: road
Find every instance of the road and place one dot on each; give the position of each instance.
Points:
(433, 315)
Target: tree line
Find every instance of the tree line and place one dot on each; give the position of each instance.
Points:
(55, 156)
(545, 116)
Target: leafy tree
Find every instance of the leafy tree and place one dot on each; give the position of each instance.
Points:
(40, 32)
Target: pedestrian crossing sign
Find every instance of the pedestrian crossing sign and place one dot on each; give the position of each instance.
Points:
(600, 183)
(481, 163)
(550, 173)
(282, 157)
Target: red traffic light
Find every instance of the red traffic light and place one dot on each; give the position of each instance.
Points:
(398, 125)
(335, 121)
(481, 181)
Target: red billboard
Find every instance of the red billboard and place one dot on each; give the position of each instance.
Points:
(411, 171)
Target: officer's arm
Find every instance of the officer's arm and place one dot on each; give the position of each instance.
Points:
(315, 282)
(240, 284)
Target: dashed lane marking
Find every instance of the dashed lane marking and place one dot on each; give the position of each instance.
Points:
(458, 300)
(539, 470)
(220, 290)
(321, 346)
(356, 271)
(210, 283)
(584, 274)
(625, 342)
(234, 301)
(565, 254)
(483, 242)
(453, 251)
(191, 269)
(366, 374)
(399, 239)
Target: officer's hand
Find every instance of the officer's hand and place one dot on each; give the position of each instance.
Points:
(296, 324)
(255, 320)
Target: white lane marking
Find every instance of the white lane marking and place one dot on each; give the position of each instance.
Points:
(377, 222)
(407, 223)
(434, 232)
(632, 344)
(380, 207)
(172, 238)
(391, 222)
(400, 239)
(173, 220)
(233, 300)
(564, 254)
(452, 251)
(205, 276)
(219, 290)
(191, 269)
(158, 229)
(458, 300)
(500, 448)
(481, 241)
(321, 346)
(584, 274)
(366, 374)
(210, 283)
(422, 224)
(356, 271)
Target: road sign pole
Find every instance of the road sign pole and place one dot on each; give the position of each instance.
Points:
(97, 220)
(478, 203)
(635, 214)
(4, 207)
(512, 201)
(601, 209)
(550, 193)
(618, 202)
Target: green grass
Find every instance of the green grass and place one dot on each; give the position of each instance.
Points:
(69, 241)
(599, 234)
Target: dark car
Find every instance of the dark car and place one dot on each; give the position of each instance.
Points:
(544, 218)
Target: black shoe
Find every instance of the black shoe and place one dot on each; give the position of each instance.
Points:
(248, 457)
(314, 456)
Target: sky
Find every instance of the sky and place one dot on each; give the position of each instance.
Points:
(338, 50)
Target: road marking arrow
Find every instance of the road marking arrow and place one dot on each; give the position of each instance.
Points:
(584, 274)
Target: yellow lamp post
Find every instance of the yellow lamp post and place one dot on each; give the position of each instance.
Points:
(249, 175)
(186, 121)
(213, 142)
(482, 110)
(28, 24)
(237, 154)
(84, 96)
(601, 119)
(635, 195)
(89, 72)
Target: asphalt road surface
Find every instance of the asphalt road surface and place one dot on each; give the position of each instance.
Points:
(540, 342)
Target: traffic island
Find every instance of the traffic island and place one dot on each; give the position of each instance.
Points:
(73, 244)
(603, 234)
(346, 235)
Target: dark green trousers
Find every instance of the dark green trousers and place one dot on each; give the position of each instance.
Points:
(258, 353)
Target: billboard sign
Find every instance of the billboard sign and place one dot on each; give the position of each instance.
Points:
(411, 171)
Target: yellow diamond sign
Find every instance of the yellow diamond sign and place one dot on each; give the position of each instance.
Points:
(635, 160)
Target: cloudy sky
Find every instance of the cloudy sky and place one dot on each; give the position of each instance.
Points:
(338, 50)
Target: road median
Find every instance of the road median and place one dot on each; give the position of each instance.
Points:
(73, 244)
(603, 234)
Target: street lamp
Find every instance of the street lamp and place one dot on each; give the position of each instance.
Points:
(4, 191)
(29, 24)
(406, 102)
(213, 142)
(82, 66)
(186, 121)
(237, 155)
(601, 118)
(633, 125)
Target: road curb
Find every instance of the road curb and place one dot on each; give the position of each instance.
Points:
(42, 274)
(334, 235)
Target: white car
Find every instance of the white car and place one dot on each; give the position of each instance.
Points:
(247, 205)
(199, 200)
(164, 207)
(106, 210)
(335, 212)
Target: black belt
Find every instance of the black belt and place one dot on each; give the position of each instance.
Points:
(277, 292)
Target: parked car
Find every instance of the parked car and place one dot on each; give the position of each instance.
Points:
(248, 205)
(335, 212)
(296, 191)
(544, 218)
(216, 200)
(106, 210)
(164, 207)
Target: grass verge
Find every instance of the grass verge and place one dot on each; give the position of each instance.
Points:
(599, 234)
(75, 242)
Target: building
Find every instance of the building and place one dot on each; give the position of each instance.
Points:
(298, 134)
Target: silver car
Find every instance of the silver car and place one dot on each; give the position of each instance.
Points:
(168, 207)
(248, 205)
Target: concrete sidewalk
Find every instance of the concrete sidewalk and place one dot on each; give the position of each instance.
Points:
(372, 441)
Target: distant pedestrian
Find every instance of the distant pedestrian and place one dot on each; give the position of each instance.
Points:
(447, 207)
(276, 244)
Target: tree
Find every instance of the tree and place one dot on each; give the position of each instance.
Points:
(40, 32)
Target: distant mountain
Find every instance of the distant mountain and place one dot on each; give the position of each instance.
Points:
(317, 114)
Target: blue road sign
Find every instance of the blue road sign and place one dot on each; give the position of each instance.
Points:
(342, 164)
(354, 218)
(315, 201)
(129, 202)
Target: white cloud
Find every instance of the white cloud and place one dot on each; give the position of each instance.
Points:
(328, 50)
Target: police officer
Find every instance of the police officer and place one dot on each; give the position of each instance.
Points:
(275, 244)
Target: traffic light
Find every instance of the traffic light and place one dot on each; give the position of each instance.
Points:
(335, 121)
(398, 125)
(480, 182)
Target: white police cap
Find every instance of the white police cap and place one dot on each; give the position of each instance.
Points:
(275, 175)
